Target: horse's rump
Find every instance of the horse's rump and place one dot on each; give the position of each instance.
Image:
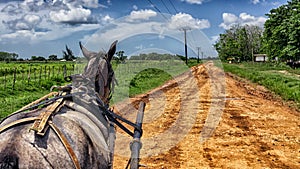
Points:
(86, 134)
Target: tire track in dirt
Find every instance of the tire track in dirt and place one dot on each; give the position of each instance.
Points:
(257, 130)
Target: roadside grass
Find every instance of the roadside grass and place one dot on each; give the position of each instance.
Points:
(155, 76)
(270, 75)
(147, 79)
(137, 77)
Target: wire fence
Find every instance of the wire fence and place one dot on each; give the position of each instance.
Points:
(18, 76)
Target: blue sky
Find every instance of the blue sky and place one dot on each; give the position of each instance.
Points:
(44, 27)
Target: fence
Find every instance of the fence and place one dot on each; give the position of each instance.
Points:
(18, 76)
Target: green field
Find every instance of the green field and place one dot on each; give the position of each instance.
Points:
(33, 80)
(134, 77)
(277, 77)
(23, 82)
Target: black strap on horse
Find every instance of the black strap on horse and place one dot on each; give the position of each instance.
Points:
(112, 116)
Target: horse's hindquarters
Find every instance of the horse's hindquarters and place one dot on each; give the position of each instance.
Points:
(31, 150)
(25, 149)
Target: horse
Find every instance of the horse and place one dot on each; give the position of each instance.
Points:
(66, 128)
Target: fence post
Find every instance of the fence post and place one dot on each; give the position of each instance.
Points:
(49, 72)
(40, 77)
(5, 78)
(52, 71)
(14, 80)
(65, 70)
(45, 72)
(34, 73)
(58, 74)
(23, 75)
(28, 76)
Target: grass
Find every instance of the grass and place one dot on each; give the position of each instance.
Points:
(286, 84)
(146, 80)
(13, 99)
(134, 77)
(29, 83)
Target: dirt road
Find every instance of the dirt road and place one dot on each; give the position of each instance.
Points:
(255, 129)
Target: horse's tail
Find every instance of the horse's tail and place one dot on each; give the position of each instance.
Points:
(9, 161)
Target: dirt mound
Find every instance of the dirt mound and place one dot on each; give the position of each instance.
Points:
(255, 130)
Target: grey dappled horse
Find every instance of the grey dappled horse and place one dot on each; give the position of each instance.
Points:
(67, 130)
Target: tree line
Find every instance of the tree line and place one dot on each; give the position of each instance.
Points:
(67, 55)
(280, 37)
(155, 56)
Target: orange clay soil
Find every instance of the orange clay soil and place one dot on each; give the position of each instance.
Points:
(256, 129)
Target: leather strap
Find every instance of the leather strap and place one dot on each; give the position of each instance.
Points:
(39, 100)
(66, 144)
(40, 125)
(17, 122)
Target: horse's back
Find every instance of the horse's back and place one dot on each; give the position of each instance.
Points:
(21, 147)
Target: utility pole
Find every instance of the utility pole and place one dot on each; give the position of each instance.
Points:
(185, 45)
(199, 48)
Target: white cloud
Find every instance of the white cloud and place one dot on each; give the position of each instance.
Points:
(56, 32)
(135, 7)
(107, 19)
(214, 39)
(21, 26)
(32, 19)
(124, 30)
(139, 47)
(71, 15)
(90, 3)
(22, 35)
(35, 21)
(186, 21)
(194, 1)
(143, 14)
(255, 1)
(230, 19)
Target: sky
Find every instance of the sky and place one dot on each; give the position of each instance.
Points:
(45, 27)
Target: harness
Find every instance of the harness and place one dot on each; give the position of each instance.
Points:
(43, 121)
(53, 102)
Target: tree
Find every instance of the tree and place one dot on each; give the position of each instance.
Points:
(68, 54)
(53, 57)
(120, 57)
(6, 56)
(37, 58)
(282, 32)
(239, 42)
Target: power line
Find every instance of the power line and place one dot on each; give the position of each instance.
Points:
(173, 6)
(166, 7)
(158, 10)
(193, 38)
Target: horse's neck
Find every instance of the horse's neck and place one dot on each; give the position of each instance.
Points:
(85, 97)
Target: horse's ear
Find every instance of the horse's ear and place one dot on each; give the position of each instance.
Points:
(112, 50)
(86, 53)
